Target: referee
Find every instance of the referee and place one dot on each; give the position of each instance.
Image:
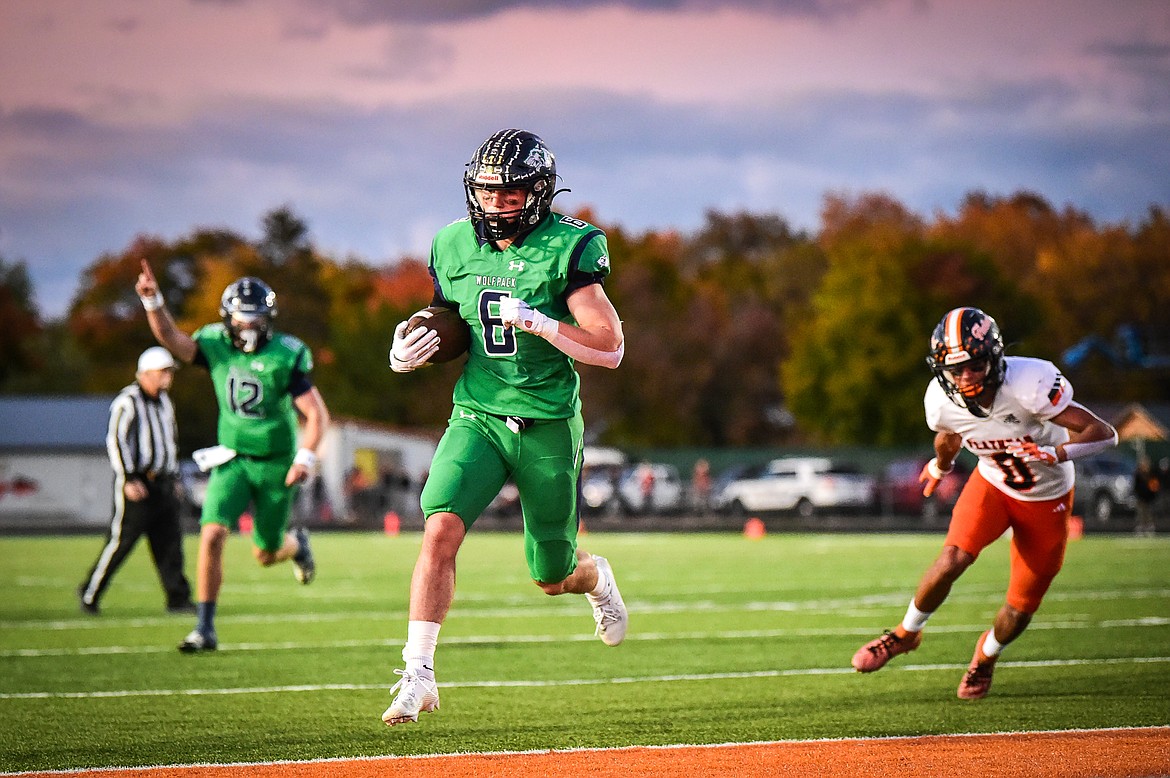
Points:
(144, 455)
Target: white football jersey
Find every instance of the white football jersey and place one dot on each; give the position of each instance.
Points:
(1033, 391)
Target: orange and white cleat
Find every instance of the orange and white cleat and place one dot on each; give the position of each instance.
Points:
(874, 654)
(977, 682)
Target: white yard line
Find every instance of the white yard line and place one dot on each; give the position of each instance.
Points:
(540, 683)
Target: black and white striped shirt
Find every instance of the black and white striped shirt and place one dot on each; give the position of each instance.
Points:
(141, 436)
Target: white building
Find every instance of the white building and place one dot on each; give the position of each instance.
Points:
(377, 453)
(54, 471)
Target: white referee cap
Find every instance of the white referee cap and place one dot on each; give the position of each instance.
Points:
(155, 358)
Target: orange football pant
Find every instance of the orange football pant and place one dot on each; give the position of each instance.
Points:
(1039, 535)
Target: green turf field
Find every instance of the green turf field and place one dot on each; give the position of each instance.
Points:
(730, 640)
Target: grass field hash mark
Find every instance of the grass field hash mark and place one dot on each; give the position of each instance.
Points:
(573, 609)
(754, 634)
(532, 684)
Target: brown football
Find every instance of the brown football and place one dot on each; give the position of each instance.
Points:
(454, 334)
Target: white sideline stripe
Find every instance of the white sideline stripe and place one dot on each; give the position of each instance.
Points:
(595, 750)
(533, 684)
(572, 608)
(743, 634)
(592, 750)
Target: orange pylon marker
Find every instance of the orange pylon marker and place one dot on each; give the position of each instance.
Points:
(753, 529)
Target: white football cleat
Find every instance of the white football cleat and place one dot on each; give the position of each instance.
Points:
(416, 694)
(609, 610)
(197, 641)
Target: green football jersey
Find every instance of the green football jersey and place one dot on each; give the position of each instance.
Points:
(509, 372)
(256, 416)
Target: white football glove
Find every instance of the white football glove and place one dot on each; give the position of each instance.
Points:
(517, 313)
(1031, 452)
(931, 475)
(412, 351)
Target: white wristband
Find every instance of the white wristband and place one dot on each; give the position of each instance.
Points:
(154, 302)
(935, 471)
(305, 458)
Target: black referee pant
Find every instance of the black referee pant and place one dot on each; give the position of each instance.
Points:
(157, 517)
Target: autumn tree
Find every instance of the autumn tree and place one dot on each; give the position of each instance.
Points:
(1088, 282)
(345, 312)
(754, 277)
(731, 332)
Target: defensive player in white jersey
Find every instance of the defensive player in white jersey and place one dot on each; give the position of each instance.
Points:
(1018, 416)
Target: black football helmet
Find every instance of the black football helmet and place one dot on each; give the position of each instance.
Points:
(511, 159)
(248, 306)
(966, 336)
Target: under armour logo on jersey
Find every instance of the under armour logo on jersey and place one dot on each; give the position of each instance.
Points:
(258, 366)
(1011, 419)
(517, 265)
(465, 415)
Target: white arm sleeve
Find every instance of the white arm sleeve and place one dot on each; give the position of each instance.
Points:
(589, 356)
(1078, 450)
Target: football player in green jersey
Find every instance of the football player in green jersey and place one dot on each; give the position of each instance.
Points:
(259, 376)
(528, 282)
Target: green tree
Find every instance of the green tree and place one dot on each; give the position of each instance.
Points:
(20, 324)
(856, 373)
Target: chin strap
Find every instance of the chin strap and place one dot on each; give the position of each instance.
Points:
(975, 408)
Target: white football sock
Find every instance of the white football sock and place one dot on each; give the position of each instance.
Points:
(914, 620)
(991, 646)
(419, 652)
(602, 583)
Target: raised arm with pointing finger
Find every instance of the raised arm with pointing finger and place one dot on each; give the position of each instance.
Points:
(259, 376)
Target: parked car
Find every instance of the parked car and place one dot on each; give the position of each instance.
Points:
(900, 491)
(652, 488)
(1104, 487)
(599, 492)
(805, 485)
(606, 493)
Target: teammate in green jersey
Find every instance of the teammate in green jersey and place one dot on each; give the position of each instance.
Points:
(259, 375)
(528, 282)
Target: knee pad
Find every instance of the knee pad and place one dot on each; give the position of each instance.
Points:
(552, 560)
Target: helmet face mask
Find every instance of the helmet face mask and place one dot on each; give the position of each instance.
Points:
(248, 307)
(510, 160)
(966, 357)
